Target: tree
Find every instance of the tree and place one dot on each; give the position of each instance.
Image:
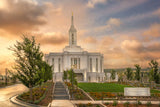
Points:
(129, 73)
(65, 76)
(154, 71)
(28, 63)
(72, 79)
(44, 72)
(120, 76)
(138, 72)
(113, 74)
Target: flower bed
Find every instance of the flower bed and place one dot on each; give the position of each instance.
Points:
(127, 104)
(102, 95)
(77, 93)
(88, 105)
(39, 93)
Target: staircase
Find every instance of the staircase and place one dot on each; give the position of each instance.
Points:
(60, 92)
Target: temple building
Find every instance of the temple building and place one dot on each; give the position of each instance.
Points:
(87, 66)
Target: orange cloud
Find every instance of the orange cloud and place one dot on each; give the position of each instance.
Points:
(51, 38)
(111, 24)
(152, 32)
(21, 16)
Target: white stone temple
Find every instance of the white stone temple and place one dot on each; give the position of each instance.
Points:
(87, 66)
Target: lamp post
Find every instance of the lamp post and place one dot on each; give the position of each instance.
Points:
(6, 71)
(72, 79)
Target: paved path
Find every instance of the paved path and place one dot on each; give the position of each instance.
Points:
(9, 91)
(60, 92)
(100, 102)
(61, 103)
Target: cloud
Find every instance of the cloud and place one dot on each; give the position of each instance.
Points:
(51, 38)
(92, 3)
(114, 22)
(19, 16)
(157, 12)
(111, 24)
(132, 45)
(90, 39)
(153, 31)
(137, 50)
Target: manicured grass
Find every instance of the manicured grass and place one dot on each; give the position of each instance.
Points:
(106, 87)
(102, 87)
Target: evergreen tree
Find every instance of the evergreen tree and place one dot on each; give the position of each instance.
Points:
(65, 76)
(29, 67)
(129, 73)
(154, 71)
(113, 74)
(138, 72)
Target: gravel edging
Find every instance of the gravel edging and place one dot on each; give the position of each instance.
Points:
(16, 101)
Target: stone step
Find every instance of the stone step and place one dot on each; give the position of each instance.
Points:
(57, 89)
(60, 97)
(60, 92)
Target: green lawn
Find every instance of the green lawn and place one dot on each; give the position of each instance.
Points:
(105, 87)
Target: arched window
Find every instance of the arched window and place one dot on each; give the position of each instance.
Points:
(72, 38)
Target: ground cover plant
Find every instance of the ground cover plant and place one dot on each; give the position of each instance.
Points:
(42, 95)
(77, 93)
(88, 105)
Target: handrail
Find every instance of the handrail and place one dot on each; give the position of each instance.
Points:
(53, 90)
(66, 87)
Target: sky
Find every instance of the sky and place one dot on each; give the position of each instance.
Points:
(126, 32)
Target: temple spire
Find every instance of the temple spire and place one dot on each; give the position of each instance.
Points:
(72, 33)
(72, 21)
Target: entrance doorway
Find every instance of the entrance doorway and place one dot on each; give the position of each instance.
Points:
(79, 76)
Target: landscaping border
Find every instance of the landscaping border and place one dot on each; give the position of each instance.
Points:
(86, 94)
(14, 100)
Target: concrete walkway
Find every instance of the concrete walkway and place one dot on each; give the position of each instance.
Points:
(100, 102)
(62, 103)
(7, 92)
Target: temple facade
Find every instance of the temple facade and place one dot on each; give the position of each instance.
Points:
(87, 66)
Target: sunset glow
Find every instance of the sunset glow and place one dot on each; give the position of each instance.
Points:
(127, 32)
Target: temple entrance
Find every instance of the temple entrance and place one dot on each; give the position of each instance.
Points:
(79, 76)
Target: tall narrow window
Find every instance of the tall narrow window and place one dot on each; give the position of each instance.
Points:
(53, 64)
(101, 65)
(79, 62)
(72, 38)
(59, 64)
(90, 64)
(96, 64)
(71, 62)
(75, 63)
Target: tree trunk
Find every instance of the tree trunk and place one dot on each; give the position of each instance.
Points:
(31, 95)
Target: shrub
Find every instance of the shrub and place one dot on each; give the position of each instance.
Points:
(139, 103)
(97, 106)
(126, 104)
(115, 103)
(80, 105)
(107, 103)
(89, 104)
(149, 104)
